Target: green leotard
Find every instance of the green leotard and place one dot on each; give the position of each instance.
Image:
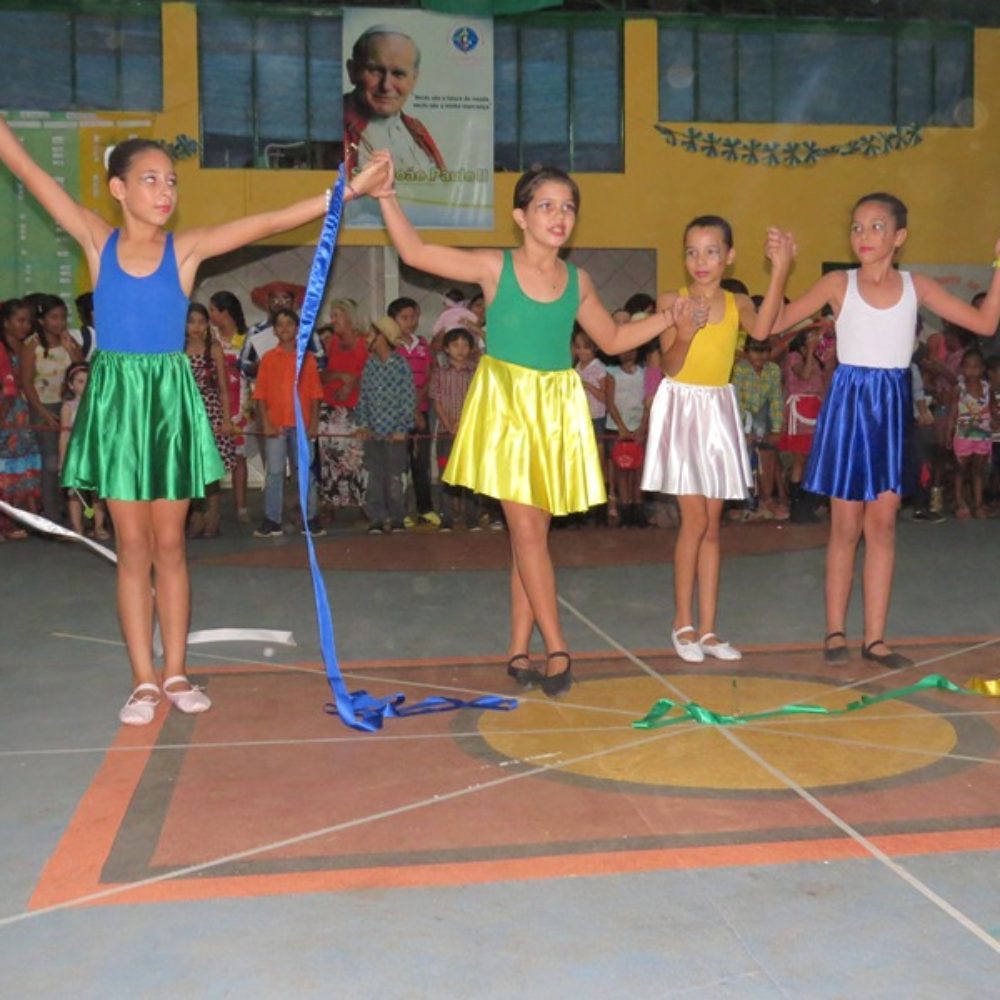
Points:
(532, 334)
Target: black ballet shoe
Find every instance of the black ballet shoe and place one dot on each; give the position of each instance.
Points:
(837, 655)
(894, 660)
(557, 684)
(527, 676)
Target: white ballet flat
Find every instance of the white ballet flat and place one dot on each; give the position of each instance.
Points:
(139, 711)
(690, 651)
(190, 701)
(720, 650)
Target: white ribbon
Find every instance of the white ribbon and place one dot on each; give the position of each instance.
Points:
(36, 522)
(47, 527)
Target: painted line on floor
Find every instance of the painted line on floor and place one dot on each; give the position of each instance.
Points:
(428, 801)
(893, 747)
(855, 835)
(249, 744)
(318, 671)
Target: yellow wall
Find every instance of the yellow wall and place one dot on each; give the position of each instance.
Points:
(949, 181)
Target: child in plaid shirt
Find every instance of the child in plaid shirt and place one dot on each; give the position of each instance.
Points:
(448, 389)
(758, 389)
(384, 415)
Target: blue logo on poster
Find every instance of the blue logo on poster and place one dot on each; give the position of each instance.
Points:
(465, 39)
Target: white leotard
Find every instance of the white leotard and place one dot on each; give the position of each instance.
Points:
(877, 338)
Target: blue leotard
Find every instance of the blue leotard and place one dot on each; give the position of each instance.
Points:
(140, 315)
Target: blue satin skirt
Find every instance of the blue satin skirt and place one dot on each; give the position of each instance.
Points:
(860, 446)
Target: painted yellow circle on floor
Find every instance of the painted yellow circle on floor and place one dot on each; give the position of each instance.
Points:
(588, 732)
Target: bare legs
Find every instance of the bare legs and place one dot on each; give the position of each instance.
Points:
(974, 467)
(697, 560)
(240, 484)
(849, 521)
(151, 550)
(532, 581)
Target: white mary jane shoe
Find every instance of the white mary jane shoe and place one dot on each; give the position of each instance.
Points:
(691, 650)
(138, 711)
(720, 650)
(191, 701)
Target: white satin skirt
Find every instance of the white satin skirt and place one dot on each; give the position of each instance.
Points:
(696, 443)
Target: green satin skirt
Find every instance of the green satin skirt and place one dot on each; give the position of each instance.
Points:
(142, 431)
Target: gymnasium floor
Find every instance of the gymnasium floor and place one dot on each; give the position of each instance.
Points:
(265, 850)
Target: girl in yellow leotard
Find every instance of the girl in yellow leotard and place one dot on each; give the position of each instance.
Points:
(696, 449)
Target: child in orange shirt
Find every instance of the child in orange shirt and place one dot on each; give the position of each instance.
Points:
(276, 412)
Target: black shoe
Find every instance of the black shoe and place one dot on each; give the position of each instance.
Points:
(837, 655)
(556, 684)
(928, 517)
(527, 676)
(268, 529)
(895, 661)
(375, 529)
(314, 528)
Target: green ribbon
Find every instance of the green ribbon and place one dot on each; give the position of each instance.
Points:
(660, 716)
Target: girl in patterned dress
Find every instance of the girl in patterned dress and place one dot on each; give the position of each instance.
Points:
(208, 365)
(229, 326)
(45, 357)
(971, 433)
(20, 462)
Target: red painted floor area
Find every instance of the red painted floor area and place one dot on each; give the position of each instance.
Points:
(266, 794)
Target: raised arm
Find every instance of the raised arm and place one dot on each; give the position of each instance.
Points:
(982, 321)
(479, 267)
(88, 229)
(781, 251)
(609, 336)
(829, 290)
(195, 245)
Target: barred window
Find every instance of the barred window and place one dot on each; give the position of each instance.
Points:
(271, 93)
(558, 90)
(63, 61)
(756, 71)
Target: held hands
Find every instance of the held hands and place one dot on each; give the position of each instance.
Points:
(689, 315)
(780, 248)
(376, 177)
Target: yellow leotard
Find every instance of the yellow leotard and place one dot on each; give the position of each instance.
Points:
(710, 357)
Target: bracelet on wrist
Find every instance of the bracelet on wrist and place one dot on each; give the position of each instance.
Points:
(996, 263)
(328, 194)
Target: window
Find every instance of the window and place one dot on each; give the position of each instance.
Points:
(749, 71)
(61, 61)
(558, 95)
(271, 93)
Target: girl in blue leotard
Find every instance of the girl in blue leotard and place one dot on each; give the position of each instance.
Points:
(142, 439)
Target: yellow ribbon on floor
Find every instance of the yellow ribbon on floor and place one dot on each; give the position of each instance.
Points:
(990, 688)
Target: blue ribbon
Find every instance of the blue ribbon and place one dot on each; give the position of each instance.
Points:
(357, 709)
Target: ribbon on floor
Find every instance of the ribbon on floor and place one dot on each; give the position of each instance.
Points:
(661, 714)
(46, 527)
(356, 709)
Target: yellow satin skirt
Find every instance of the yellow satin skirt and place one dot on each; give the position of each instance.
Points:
(527, 436)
